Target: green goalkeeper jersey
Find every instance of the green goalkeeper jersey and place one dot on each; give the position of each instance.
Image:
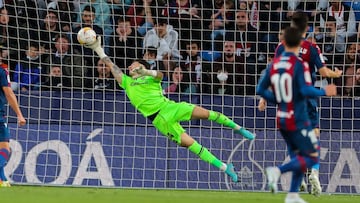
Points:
(144, 93)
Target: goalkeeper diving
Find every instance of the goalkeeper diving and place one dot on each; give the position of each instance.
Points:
(143, 88)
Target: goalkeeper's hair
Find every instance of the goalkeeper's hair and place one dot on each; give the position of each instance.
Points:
(143, 62)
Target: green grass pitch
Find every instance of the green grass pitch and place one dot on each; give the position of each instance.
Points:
(40, 194)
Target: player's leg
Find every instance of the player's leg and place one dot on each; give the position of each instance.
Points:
(204, 154)
(314, 175)
(305, 158)
(202, 113)
(167, 123)
(4, 153)
(306, 143)
(292, 153)
(293, 195)
(4, 157)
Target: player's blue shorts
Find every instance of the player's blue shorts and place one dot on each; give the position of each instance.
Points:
(313, 113)
(4, 133)
(301, 142)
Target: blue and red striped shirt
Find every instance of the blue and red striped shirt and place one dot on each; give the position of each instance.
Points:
(4, 82)
(290, 80)
(310, 53)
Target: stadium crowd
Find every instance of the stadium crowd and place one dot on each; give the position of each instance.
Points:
(202, 46)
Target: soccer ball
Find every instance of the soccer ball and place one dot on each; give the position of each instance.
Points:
(86, 36)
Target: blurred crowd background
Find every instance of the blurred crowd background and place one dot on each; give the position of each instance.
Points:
(215, 47)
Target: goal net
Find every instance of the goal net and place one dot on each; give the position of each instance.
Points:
(82, 129)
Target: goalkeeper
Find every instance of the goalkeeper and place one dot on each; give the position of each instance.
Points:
(144, 91)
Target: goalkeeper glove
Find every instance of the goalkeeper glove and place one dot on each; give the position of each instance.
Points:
(96, 46)
(141, 71)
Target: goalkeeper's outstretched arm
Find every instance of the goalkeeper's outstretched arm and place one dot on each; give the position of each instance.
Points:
(115, 70)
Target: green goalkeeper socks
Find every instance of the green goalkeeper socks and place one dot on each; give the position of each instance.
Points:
(222, 119)
(207, 156)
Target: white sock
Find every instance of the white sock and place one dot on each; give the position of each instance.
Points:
(292, 195)
(223, 167)
(314, 171)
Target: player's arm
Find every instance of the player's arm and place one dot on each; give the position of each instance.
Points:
(306, 87)
(11, 98)
(115, 70)
(262, 102)
(311, 91)
(158, 76)
(327, 72)
(263, 88)
(319, 61)
(142, 71)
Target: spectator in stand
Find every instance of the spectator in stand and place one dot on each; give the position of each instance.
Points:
(41, 7)
(271, 15)
(28, 71)
(246, 38)
(311, 7)
(355, 5)
(185, 15)
(221, 20)
(73, 68)
(349, 83)
(345, 23)
(104, 79)
(55, 80)
(357, 83)
(125, 45)
(25, 26)
(88, 17)
(101, 19)
(49, 30)
(253, 8)
(164, 37)
(178, 7)
(66, 12)
(9, 36)
(150, 57)
(193, 61)
(27, 13)
(179, 83)
(118, 9)
(4, 21)
(326, 37)
(228, 75)
(142, 14)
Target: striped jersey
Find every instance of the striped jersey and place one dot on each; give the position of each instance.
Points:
(290, 80)
(4, 82)
(310, 53)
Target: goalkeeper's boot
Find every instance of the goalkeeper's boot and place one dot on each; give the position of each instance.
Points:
(303, 186)
(273, 175)
(245, 133)
(5, 184)
(315, 183)
(294, 200)
(231, 172)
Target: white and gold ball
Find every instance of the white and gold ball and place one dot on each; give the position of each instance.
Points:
(86, 36)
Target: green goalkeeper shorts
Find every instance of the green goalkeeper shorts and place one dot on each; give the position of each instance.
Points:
(167, 120)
